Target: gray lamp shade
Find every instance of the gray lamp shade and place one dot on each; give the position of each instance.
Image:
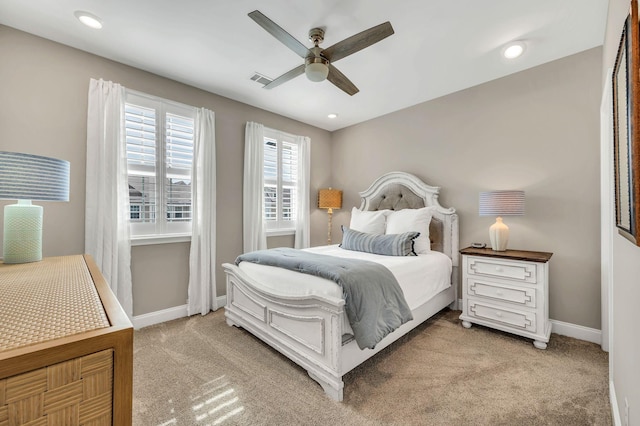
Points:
(33, 177)
(26, 177)
(502, 203)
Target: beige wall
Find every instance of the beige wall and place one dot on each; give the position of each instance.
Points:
(536, 130)
(43, 104)
(625, 344)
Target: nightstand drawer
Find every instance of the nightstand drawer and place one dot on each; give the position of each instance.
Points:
(524, 296)
(512, 270)
(511, 318)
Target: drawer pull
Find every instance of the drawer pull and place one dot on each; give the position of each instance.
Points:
(499, 314)
(499, 293)
(498, 269)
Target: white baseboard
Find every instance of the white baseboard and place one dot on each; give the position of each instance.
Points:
(577, 331)
(157, 317)
(615, 413)
(572, 330)
(145, 320)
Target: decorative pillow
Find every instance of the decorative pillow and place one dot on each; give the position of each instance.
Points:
(370, 222)
(389, 245)
(408, 220)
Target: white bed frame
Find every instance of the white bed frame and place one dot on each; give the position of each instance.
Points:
(308, 330)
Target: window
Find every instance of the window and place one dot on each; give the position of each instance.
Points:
(280, 169)
(159, 139)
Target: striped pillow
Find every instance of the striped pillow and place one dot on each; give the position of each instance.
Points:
(389, 244)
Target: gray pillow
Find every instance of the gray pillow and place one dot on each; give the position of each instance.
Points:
(389, 244)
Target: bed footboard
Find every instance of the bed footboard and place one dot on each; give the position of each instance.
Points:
(307, 330)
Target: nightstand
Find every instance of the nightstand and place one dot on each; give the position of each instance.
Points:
(507, 290)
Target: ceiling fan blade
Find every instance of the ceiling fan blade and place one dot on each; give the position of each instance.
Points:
(341, 81)
(285, 77)
(358, 42)
(277, 31)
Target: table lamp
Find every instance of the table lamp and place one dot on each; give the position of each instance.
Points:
(329, 199)
(26, 177)
(501, 203)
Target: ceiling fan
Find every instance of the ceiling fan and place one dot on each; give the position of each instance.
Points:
(318, 63)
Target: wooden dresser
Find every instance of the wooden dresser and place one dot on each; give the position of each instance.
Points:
(66, 346)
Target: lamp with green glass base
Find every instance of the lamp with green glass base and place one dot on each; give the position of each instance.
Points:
(26, 177)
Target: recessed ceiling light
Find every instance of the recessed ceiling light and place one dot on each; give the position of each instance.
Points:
(89, 19)
(513, 50)
(332, 115)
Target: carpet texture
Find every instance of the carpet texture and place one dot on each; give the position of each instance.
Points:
(200, 371)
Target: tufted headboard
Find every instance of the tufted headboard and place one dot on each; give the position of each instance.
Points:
(400, 190)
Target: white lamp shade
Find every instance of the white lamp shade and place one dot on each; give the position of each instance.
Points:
(26, 177)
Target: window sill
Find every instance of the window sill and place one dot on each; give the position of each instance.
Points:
(147, 240)
(280, 232)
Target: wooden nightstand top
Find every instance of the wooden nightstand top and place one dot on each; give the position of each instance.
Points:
(531, 256)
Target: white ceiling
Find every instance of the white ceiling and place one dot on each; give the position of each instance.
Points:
(439, 46)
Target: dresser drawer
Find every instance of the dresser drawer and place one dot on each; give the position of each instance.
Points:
(512, 270)
(512, 318)
(524, 296)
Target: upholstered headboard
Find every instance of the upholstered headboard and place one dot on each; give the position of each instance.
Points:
(400, 190)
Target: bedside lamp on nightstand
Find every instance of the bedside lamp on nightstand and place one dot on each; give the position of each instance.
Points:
(501, 203)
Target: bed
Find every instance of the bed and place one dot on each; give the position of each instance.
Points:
(310, 326)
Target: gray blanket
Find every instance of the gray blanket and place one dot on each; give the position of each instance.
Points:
(374, 302)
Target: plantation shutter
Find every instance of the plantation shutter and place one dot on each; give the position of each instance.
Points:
(159, 139)
(140, 133)
(289, 180)
(270, 167)
(280, 180)
(178, 160)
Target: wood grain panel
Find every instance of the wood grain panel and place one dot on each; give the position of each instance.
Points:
(58, 395)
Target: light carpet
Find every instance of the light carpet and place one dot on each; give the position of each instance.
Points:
(200, 371)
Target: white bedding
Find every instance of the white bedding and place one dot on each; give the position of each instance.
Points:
(420, 277)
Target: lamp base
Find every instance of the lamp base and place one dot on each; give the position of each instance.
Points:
(499, 235)
(22, 242)
(330, 212)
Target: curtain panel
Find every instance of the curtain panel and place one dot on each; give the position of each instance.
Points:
(303, 227)
(107, 237)
(202, 257)
(254, 236)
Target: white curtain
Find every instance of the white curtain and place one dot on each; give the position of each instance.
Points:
(202, 258)
(254, 236)
(107, 237)
(302, 218)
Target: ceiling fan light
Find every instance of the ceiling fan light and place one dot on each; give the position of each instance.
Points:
(316, 71)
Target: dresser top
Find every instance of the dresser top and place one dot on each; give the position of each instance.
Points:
(46, 300)
(531, 256)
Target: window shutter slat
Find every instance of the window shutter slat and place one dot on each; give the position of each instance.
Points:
(140, 135)
(270, 203)
(178, 160)
(280, 168)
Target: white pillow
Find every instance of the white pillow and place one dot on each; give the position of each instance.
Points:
(409, 220)
(370, 222)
